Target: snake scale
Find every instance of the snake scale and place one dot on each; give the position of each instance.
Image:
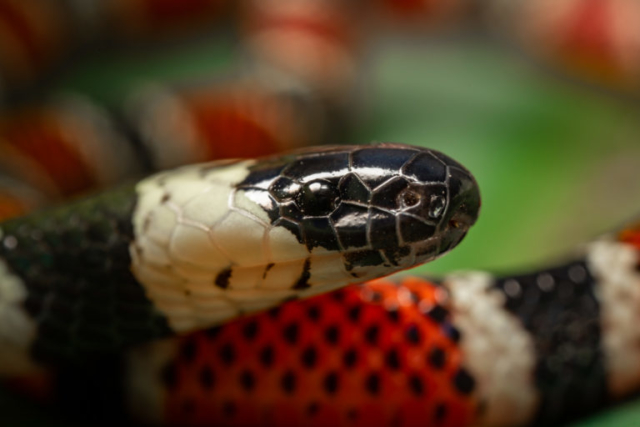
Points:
(85, 285)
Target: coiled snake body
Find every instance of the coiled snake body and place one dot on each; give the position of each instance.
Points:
(471, 349)
(179, 252)
(194, 247)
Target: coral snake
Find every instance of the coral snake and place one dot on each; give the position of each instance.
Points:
(191, 248)
(92, 292)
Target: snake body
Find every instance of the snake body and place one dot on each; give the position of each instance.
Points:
(194, 247)
(470, 349)
(83, 282)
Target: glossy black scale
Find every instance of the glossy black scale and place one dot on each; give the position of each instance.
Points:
(560, 310)
(370, 202)
(76, 266)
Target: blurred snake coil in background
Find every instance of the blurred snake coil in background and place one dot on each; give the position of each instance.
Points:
(537, 98)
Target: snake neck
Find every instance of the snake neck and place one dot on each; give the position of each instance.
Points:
(67, 282)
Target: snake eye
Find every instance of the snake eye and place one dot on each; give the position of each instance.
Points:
(317, 198)
(409, 198)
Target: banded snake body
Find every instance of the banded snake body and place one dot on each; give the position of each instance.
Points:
(194, 247)
(469, 349)
(203, 244)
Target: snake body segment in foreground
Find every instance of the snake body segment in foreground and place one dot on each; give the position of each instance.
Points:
(471, 349)
(164, 256)
(203, 244)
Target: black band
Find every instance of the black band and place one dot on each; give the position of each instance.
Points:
(559, 308)
(76, 266)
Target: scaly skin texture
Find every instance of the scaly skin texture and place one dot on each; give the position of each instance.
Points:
(75, 264)
(374, 355)
(534, 318)
(544, 347)
(195, 247)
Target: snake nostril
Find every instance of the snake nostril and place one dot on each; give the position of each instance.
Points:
(454, 224)
(437, 206)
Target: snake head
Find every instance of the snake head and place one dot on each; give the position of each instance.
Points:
(228, 238)
(383, 208)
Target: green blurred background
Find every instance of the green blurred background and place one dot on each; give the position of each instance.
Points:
(557, 161)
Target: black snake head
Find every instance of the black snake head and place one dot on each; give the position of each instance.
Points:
(383, 207)
(218, 240)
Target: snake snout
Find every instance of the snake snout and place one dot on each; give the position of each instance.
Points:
(464, 208)
(418, 211)
(451, 207)
(465, 199)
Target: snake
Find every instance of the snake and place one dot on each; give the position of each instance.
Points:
(206, 243)
(471, 348)
(150, 301)
(84, 286)
(267, 338)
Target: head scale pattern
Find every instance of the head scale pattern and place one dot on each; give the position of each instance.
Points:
(388, 205)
